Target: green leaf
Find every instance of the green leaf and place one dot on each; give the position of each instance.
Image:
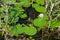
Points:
(40, 22)
(20, 9)
(31, 30)
(2, 9)
(25, 3)
(18, 29)
(11, 14)
(23, 16)
(55, 23)
(15, 13)
(14, 20)
(40, 2)
(17, 4)
(39, 8)
(58, 13)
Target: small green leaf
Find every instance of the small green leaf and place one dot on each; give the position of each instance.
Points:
(55, 23)
(39, 8)
(14, 20)
(18, 29)
(11, 14)
(23, 16)
(40, 2)
(40, 22)
(15, 13)
(31, 30)
(25, 3)
(2, 9)
(17, 5)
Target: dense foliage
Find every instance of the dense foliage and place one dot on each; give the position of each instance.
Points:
(11, 11)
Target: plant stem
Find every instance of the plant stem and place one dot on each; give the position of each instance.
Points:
(0, 21)
(51, 9)
(57, 3)
(47, 3)
(6, 21)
